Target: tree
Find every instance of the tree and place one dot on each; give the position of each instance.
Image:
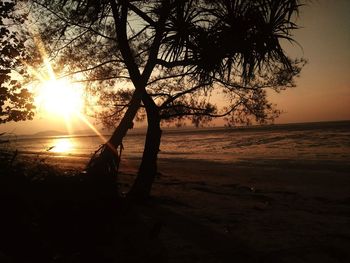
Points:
(16, 103)
(175, 54)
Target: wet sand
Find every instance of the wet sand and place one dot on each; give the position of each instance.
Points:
(247, 211)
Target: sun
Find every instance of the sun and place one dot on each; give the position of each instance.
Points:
(55, 97)
(59, 97)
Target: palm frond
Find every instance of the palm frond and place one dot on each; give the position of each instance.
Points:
(247, 34)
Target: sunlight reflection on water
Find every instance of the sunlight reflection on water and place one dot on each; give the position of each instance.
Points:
(306, 142)
(62, 145)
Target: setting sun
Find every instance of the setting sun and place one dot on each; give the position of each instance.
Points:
(59, 97)
(55, 96)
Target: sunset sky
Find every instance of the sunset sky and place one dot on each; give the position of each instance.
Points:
(323, 90)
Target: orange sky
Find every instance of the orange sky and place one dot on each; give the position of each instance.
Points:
(323, 90)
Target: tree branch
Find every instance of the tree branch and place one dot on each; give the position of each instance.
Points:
(199, 112)
(142, 14)
(120, 24)
(138, 33)
(235, 86)
(73, 24)
(167, 77)
(173, 64)
(89, 69)
(154, 50)
(101, 79)
(176, 96)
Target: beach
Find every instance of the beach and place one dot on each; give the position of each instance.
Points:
(274, 214)
(248, 212)
(268, 209)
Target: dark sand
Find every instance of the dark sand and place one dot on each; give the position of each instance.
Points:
(271, 211)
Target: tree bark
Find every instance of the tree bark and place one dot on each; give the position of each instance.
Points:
(142, 186)
(105, 163)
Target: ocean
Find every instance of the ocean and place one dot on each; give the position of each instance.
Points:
(322, 143)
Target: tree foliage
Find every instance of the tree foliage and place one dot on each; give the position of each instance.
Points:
(204, 48)
(16, 103)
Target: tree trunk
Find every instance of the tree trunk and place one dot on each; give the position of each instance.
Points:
(142, 186)
(104, 164)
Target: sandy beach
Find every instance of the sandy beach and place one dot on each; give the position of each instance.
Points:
(268, 211)
(275, 214)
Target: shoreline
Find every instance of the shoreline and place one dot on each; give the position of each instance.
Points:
(142, 130)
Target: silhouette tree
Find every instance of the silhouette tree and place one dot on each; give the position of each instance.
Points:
(15, 100)
(164, 59)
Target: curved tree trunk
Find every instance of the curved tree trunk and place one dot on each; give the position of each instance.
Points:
(142, 186)
(105, 162)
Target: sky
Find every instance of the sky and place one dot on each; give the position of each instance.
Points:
(323, 89)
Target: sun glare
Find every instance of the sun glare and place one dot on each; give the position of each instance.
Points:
(62, 145)
(59, 97)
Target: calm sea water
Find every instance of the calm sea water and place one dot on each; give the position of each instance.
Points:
(313, 142)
